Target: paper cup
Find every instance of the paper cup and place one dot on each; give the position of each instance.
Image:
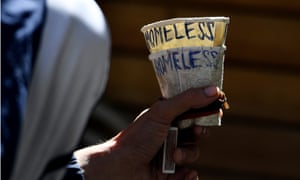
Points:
(185, 32)
(186, 53)
(179, 69)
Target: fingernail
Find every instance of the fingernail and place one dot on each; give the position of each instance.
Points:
(193, 176)
(211, 91)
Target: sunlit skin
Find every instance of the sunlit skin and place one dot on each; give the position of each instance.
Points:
(129, 154)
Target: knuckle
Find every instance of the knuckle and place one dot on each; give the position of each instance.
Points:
(189, 96)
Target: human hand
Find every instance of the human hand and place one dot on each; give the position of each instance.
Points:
(129, 155)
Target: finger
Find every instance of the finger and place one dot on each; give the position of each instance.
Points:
(168, 109)
(192, 175)
(180, 174)
(186, 155)
(184, 173)
(200, 131)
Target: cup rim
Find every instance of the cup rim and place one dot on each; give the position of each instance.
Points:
(184, 19)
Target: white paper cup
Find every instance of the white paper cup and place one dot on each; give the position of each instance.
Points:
(179, 69)
(186, 53)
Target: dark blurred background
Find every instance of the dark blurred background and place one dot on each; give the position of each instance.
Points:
(260, 135)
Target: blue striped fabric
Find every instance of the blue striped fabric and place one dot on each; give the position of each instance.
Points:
(21, 23)
(21, 26)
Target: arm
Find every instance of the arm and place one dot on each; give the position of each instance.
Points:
(129, 154)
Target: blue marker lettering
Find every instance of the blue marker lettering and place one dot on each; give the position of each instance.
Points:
(208, 27)
(176, 60)
(167, 61)
(158, 33)
(166, 31)
(206, 54)
(188, 30)
(184, 61)
(148, 38)
(177, 36)
(201, 36)
(214, 55)
(193, 58)
(211, 25)
(157, 66)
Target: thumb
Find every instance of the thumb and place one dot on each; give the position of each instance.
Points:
(150, 129)
(167, 110)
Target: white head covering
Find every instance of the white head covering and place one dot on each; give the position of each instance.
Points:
(70, 74)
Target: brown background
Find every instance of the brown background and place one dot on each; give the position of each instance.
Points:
(260, 136)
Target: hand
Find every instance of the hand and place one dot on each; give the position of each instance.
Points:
(129, 154)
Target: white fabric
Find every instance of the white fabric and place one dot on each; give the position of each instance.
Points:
(70, 74)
